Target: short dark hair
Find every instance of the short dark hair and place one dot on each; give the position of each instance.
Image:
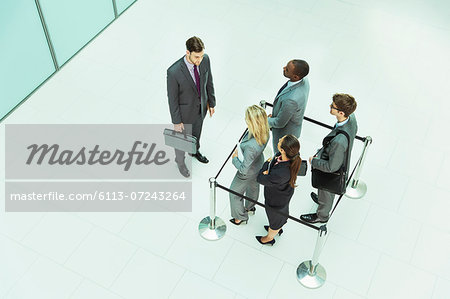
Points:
(345, 103)
(301, 68)
(195, 44)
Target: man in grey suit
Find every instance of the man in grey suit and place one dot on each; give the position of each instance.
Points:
(191, 95)
(290, 103)
(332, 157)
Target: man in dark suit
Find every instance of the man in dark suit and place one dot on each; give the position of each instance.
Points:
(332, 157)
(290, 102)
(191, 95)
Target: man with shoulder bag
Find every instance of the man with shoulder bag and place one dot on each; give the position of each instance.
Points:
(331, 163)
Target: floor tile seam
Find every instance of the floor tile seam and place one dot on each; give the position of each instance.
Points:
(436, 276)
(123, 268)
(25, 272)
(363, 222)
(275, 280)
(373, 275)
(410, 264)
(44, 257)
(176, 237)
(260, 250)
(98, 285)
(76, 289)
(36, 224)
(387, 210)
(434, 286)
(178, 282)
(213, 278)
(127, 221)
(356, 241)
(348, 290)
(79, 244)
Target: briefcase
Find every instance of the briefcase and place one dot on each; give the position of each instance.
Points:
(303, 168)
(334, 182)
(181, 141)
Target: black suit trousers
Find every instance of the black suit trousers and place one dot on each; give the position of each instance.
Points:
(196, 131)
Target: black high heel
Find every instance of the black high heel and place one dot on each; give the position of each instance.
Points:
(267, 243)
(232, 220)
(266, 227)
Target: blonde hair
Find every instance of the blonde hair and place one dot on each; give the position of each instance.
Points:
(258, 126)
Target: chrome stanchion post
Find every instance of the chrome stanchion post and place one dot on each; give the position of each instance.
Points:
(310, 273)
(358, 188)
(262, 104)
(212, 227)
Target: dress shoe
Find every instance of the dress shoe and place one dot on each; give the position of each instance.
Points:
(267, 243)
(312, 218)
(183, 170)
(266, 227)
(314, 197)
(232, 220)
(252, 211)
(200, 157)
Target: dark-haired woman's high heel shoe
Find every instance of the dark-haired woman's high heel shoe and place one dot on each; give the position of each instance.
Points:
(232, 220)
(266, 227)
(267, 243)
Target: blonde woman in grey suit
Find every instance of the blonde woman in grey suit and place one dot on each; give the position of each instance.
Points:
(248, 164)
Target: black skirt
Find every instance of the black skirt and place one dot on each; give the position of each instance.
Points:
(276, 220)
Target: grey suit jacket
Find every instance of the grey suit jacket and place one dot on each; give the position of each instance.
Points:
(288, 110)
(253, 156)
(184, 102)
(331, 158)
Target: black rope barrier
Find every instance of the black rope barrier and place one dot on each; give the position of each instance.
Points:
(363, 139)
(229, 156)
(265, 207)
(273, 209)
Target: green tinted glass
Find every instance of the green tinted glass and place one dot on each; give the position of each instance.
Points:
(72, 24)
(123, 4)
(25, 60)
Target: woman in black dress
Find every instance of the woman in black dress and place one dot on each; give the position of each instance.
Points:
(278, 175)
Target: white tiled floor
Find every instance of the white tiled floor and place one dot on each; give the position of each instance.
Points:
(393, 243)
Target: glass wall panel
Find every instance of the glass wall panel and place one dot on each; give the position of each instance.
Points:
(73, 23)
(25, 60)
(122, 5)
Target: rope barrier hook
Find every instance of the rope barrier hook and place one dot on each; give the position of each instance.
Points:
(358, 188)
(310, 273)
(212, 227)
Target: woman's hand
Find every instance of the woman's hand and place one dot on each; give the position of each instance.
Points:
(235, 154)
(265, 172)
(270, 159)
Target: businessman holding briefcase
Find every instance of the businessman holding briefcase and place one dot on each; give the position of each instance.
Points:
(190, 93)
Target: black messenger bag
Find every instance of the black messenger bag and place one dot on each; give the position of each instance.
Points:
(334, 182)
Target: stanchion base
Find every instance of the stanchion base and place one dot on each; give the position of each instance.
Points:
(311, 281)
(212, 234)
(357, 192)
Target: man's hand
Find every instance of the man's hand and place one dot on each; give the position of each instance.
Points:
(178, 127)
(211, 112)
(310, 159)
(235, 153)
(270, 115)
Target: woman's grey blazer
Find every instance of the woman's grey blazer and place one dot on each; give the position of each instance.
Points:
(253, 156)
